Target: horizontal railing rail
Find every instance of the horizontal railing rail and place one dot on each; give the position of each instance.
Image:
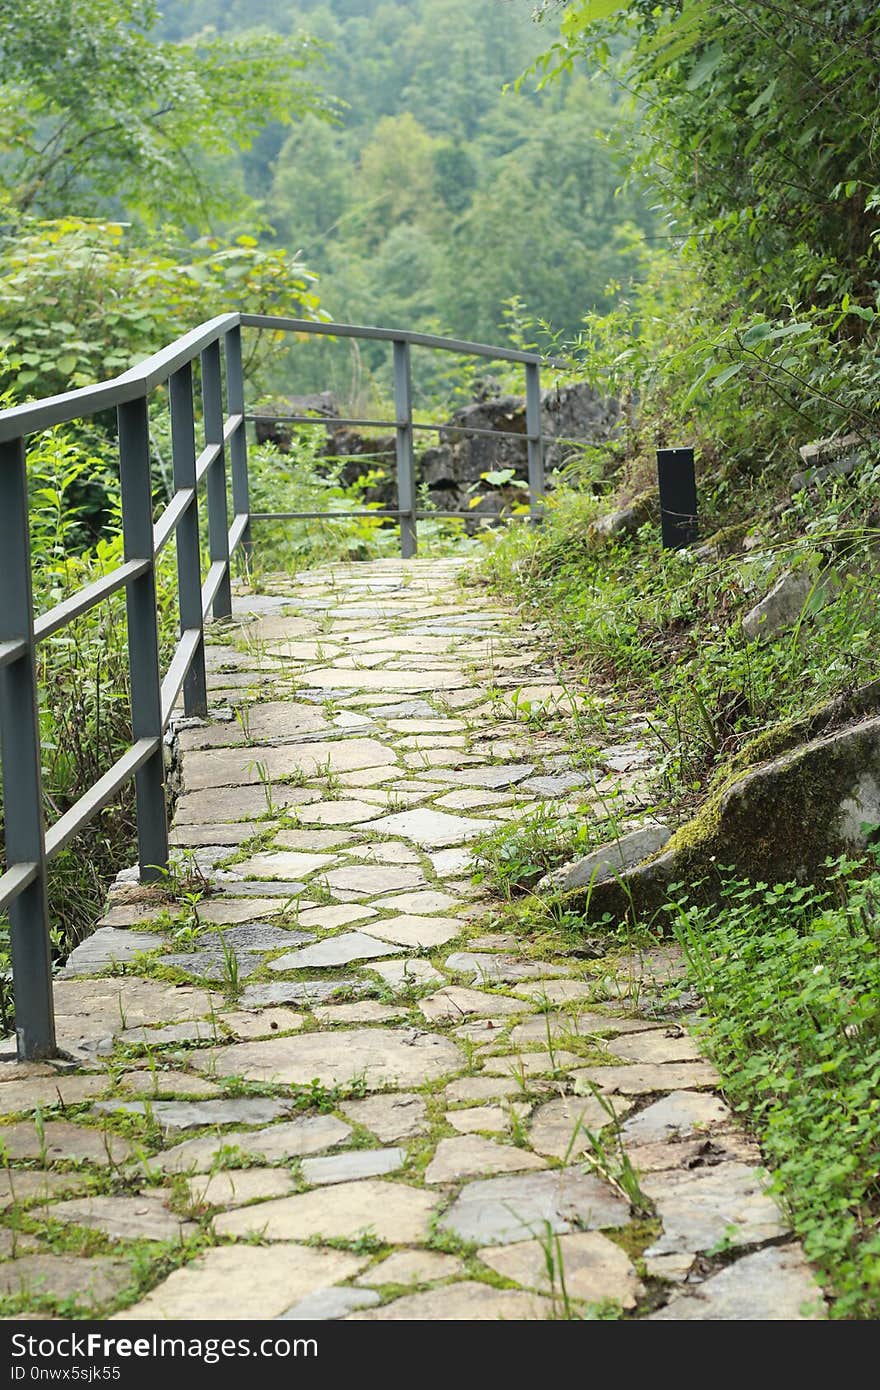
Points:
(203, 587)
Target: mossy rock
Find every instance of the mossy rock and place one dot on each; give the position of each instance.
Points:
(780, 820)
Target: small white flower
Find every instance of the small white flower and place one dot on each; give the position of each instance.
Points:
(817, 970)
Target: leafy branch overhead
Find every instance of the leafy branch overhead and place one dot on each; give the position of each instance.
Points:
(94, 106)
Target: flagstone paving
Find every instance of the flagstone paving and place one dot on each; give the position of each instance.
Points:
(322, 1077)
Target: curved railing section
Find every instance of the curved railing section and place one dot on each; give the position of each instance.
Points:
(204, 588)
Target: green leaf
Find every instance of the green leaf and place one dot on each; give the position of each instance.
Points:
(727, 375)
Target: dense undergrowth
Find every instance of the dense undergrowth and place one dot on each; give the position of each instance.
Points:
(790, 979)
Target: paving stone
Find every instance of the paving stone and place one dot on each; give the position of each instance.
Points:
(479, 1088)
(334, 951)
(195, 836)
(400, 975)
(378, 1057)
(313, 839)
(558, 785)
(494, 1119)
(62, 1141)
(276, 1144)
(221, 767)
(484, 1032)
(386, 681)
(260, 936)
(422, 903)
(710, 1206)
(171, 1033)
(243, 1283)
(337, 813)
(218, 805)
(352, 1165)
(558, 991)
(228, 911)
(673, 1268)
(186, 1114)
(375, 878)
(404, 710)
(579, 1023)
(487, 968)
(369, 777)
(110, 946)
(284, 863)
(212, 964)
(14, 1243)
(165, 1081)
(125, 1218)
(465, 1301)
(595, 1270)
(47, 1092)
(500, 1211)
(470, 1155)
(431, 829)
(262, 1024)
(518, 1064)
(419, 933)
(656, 1045)
(23, 1185)
(386, 852)
(457, 1003)
(775, 1285)
(87, 1281)
(494, 941)
(296, 991)
(389, 1117)
(680, 1115)
(336, 915)
(494, 778)
(473, 799)
(327, 1304)
(391, 1212)
(559, 1128)
(234, 1186)
(641, 1079)
(451, 861)
(411, 1267)
(694, 1153)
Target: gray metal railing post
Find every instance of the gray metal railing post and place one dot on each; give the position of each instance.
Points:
(238, 461)
(143, 635)
(406, 464)
(535, 441)
(218, 514)
(22, 772)
(189, 564)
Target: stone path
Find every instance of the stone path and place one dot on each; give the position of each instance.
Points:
(320, 1081)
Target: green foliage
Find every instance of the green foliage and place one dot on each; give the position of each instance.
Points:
(81, 301)
(659, 623)
(510, 860)
(438, 196)
(95, 107)
(790, 975)
(756, 136)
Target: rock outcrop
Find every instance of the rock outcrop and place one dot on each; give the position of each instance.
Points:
(452, 470)
(780, 820)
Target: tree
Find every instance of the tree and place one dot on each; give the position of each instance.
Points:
(96, 112)
(761, 128)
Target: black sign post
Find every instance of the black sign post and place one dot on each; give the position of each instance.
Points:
(678, 497)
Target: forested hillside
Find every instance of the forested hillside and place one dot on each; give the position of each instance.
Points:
(437, 196)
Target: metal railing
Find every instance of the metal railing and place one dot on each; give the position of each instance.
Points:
(203, 590)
